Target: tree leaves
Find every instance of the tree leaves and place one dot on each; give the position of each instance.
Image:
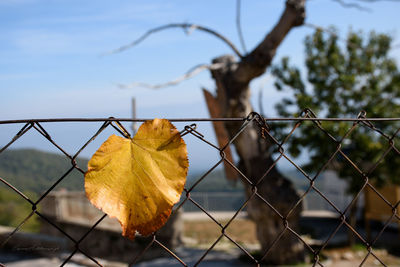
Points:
(342, 80)
(138, 180)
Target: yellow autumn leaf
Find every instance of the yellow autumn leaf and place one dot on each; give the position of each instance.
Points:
(138, 180)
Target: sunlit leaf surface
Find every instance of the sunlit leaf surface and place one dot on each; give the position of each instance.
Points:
(138, 180)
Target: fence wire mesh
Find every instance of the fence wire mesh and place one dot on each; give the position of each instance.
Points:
(264, 127)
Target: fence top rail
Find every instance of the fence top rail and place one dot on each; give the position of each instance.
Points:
(191, 119)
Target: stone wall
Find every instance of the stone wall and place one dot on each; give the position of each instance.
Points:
(73, 213)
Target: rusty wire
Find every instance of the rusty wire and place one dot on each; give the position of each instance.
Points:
(191, 129)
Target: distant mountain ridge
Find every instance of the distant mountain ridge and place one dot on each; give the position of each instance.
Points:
(36, 171)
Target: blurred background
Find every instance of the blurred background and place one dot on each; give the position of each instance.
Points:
(57, 62)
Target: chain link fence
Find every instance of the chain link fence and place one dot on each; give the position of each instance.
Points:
(190, 130)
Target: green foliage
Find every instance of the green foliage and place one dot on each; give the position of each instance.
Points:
(342, 81)
(14, 209)
(36, 171)
(32, 172)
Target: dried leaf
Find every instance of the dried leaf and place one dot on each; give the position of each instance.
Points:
(138, 180)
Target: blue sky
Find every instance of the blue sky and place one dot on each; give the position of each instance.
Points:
(51, 65)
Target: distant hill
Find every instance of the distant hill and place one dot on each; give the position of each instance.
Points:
(216, 181)
(213, 182)
(35, 171)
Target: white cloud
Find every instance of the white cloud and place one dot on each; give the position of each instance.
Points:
(87, 30)
(91, 101)
(17, 76)
(16, 2)
(40, 41)
(130, 12)
(51, 41)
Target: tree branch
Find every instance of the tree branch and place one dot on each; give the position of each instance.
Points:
(188, 27)
(189, 74)
(352, 5)
(238, 26)
(260, 97)
(360, 7)
(255, 63)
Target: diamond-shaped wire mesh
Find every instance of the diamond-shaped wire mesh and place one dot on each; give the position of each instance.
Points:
(80, 241)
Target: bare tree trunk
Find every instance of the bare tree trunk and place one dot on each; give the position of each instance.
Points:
(233, 96)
